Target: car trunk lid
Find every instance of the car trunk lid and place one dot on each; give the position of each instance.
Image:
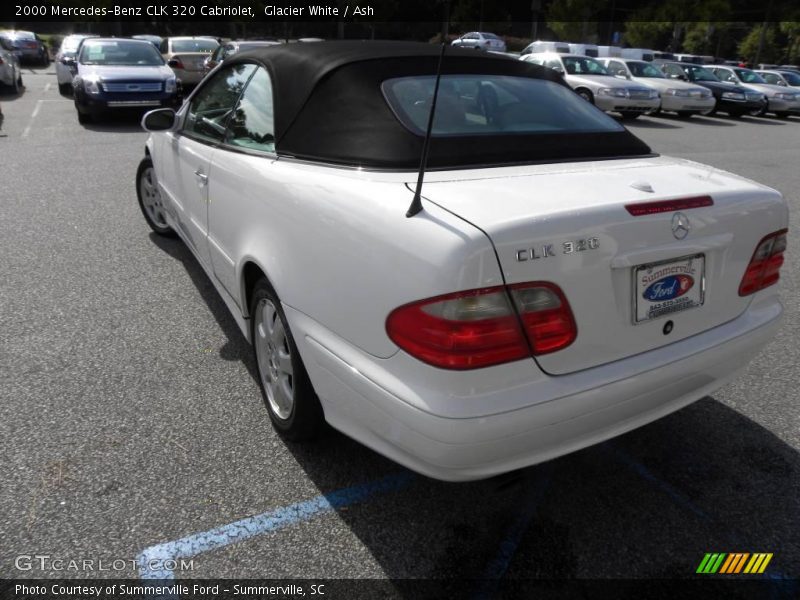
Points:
(568, 224)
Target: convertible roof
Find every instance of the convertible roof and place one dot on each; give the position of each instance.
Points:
(328, 104)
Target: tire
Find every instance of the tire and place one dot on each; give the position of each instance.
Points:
(293, 406)
(150, 199)
(65, 89)
(761, 112)
(585, 94)
(84, 118)
(685, 114)
(630, 116)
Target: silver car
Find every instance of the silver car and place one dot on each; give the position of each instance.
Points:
(10, 76)
(590, 80)
(677, 96)
(781, 101)
(781, 77)
(65, 61)
(481, 40)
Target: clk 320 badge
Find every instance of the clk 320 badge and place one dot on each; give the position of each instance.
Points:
(548, 250)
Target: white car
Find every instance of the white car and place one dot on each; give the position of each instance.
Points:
(555, 284)
(480, 40)
(677, 96)
(186, 57)
(66, 68)
(781, 101)
(590, 80)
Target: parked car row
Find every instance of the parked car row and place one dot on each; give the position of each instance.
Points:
(635, 87)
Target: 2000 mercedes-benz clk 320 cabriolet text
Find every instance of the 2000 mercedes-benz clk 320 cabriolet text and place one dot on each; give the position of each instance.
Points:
(557, 284)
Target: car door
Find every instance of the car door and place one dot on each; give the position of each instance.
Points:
(186, 169)
(240, 181)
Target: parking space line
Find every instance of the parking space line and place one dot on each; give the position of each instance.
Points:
(35, 112)
(152, 560)
(499, 565)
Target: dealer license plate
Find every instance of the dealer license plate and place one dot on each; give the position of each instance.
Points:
(668, 287)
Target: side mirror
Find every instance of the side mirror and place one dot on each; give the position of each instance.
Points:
(160, 119)
(68, 61)
(173, 63)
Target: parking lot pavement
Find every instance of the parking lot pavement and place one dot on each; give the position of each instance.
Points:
(130, 416)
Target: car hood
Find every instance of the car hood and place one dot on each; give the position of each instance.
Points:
(719, 86)
(665, 84)
(764, 88)
(125, 73)
(598, 81)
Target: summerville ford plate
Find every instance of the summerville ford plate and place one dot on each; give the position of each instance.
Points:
(669, 287)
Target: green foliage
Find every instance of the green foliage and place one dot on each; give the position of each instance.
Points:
(647, 34)
(748, 47)
(571, 20)
(791, 29)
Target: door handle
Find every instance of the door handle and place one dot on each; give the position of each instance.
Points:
(201, 176)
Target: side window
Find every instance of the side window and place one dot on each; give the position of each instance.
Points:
(617, 68)
(771, 78)
(554, 64)
(724, 75)
(252, 124)
(212, 105)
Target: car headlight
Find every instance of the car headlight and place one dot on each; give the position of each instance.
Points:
(92, 86)
(733, 95)
(785, 96)
(674, 92)
(616, 92)
(171, 85)
(654, 94)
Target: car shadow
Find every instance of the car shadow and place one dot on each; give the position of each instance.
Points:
(706, 479)
(649, 504)
(706, 120)
(236, 348)
(649, 123)
(118, 123)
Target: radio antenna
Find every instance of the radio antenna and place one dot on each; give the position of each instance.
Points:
(416, 203)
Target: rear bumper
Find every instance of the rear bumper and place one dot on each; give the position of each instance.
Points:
(189, 77)
(380, 402)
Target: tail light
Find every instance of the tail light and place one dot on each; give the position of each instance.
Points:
(764, 268)
(1, 61)
(176, 63)
(480, 328)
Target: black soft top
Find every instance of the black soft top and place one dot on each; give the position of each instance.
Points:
(329, 106)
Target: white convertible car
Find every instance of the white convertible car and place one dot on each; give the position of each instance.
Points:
(562, 283)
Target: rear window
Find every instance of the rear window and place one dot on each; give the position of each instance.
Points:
(469, 105)
(194, 45)
(119, 53)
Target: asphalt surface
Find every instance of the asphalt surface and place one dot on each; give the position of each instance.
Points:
(130, 416)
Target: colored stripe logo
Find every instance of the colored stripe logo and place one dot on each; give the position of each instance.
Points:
(734, 563)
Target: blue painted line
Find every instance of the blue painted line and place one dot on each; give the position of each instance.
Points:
(152, 560)
(498, 566)
(677, 497)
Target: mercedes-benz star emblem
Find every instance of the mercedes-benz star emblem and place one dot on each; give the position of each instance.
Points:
(680, 225)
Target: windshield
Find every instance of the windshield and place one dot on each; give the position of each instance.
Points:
(583, 65)
(120, 53)
(493, 105)
(748, 76)
(70, 44)
(699, 73)
(194, 45)
(643, 69)
(791, 78)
